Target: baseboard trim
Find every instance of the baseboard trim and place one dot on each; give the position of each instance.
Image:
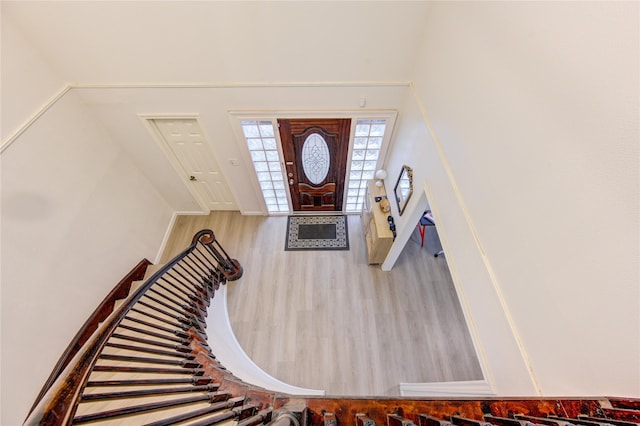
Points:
(475, 388)
(167, 232)
(165, 238)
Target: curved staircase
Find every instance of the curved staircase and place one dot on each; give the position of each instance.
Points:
(145, 359)
(149, 362)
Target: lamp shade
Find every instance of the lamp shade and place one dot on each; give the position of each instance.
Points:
(381, 174)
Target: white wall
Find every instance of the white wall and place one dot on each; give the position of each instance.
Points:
(496, 345)
(118, 109)
(535, 106)
(77, 215)
(28, 82)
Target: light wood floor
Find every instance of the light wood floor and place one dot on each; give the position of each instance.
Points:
(327, 320)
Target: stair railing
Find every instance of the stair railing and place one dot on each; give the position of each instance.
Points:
(203, 266)
(185, 285)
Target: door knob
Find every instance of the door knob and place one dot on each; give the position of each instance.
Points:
(192, 178)
(290, 181)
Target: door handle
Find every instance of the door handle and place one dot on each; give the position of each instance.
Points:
(192, 178)
(290, 181)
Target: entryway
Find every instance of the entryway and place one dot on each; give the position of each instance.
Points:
(337, 172)
(315, 155)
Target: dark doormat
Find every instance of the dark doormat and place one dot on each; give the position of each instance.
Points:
(317, 233)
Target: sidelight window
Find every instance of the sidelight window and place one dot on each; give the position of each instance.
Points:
(367, 143)
(364, 160)
(263, 148)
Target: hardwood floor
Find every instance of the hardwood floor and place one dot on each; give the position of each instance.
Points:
(327, 320)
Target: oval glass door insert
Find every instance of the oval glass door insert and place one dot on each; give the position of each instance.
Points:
(315, 158)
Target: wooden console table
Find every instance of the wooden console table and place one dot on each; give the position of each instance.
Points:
(377, 235)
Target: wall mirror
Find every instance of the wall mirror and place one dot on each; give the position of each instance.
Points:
(404, 188)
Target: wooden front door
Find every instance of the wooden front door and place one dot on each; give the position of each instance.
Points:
(315, 155)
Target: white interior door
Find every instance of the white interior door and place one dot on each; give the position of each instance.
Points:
(195, 158)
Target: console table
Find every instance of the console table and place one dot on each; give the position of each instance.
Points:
(378, 237)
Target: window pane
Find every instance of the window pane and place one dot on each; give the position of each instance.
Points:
(360, 143)
(251, 131)
(266, 129)
(274, 166)
(369, 165)
(377, 130)
(262, 145)
(357, 165)
(261, 166)
(372, 154)
(358, 154)
(362, 129)
(366, 146)
(272, 155)
(375, 143)
(254, 144)
(262, 176)
(315, 158)
(269, 143)
(258, 156)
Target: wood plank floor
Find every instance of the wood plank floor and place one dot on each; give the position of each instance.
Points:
(327, 320)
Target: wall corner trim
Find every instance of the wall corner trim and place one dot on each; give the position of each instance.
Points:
(34, 117)
(472, 229)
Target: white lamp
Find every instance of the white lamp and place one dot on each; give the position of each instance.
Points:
(380, 175)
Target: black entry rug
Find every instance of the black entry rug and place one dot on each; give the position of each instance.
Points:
(317, 233)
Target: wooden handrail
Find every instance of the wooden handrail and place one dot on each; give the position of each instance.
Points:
(57, 405)
(104, 309)
(194, 375)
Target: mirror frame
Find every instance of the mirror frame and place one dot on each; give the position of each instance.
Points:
(402, 195)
